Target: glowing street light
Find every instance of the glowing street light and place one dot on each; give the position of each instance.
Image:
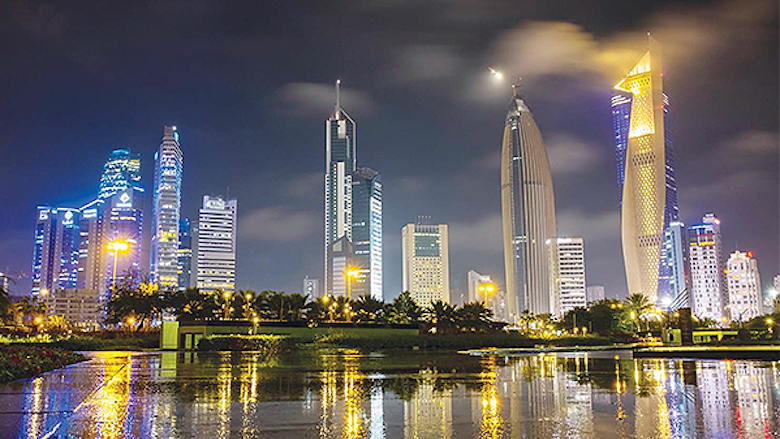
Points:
(496, 74)
(486, 289)
(350, 273)
(117, 246)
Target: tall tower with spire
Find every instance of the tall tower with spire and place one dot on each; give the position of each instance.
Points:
(166, 205)
(340, 163)
(645, 175)
(527, 211)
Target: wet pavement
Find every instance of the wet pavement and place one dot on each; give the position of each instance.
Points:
(343, 393)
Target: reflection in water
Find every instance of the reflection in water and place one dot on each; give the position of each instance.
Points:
(340, 393)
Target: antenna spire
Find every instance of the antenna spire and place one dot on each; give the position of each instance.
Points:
(516, 88)
(338, 99)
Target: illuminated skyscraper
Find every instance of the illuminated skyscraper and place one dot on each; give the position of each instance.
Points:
(528, 212)
(166, 207)
(56, 250)
(340, 163)
(93, 245)
(121, 171)
(744, 287)
(649, 189)
(567, 274)
(216, 244)
(123, 221)
(673, 282)
(185, 253)
(705, 255)
(367, 232)
(426, 262)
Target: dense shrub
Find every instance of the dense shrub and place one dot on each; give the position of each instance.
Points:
(93, 341)
(266, 343)
(25, 361)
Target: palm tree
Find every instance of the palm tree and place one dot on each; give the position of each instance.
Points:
(635, 307)
(474, 316)
(191, 304)
(297, 303)
(369, 309)
(5, 305)
(441, 315)
(403, 310)
(526, 317)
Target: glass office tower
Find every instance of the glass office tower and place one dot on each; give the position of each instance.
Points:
(166, 207)
(367, 232)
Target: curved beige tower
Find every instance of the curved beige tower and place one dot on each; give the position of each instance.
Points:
(528, 212)
(644, 187)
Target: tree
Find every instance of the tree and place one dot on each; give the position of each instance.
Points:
(576, 318)
(403, 310)
(191, 304)
(28, 309)
(57, 324)
(297, 304)
(635, 307)
(5, 305)
(140, 304)
(441, 315)
(369, 309)
(526, 317)
(474, 317)
(605, 316)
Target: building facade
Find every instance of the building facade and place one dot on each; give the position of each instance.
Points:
(528, 212)
(744, 287)
(216, 244)
(80, 307)
(645, 171)
(340, 163)
(367, 232)
(674, 275)
(123, 221)
(705, 254)
(121, 171)
(426, 265)
(185, 254)
(567, 274)
(93, 243)
(56, 249)
(311, 288)
(166, 208)
(595, 293)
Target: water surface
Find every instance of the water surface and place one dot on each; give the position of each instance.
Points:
(345, 393)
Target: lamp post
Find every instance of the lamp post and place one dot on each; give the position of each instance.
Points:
(117, 246)
(350, 273)
(486, 289)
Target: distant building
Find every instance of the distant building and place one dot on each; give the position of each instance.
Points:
(93, 252)
(367, 232)
(311, 287)
(80, 307)
(494, 301)
(216, 244)
(567, 274)
(166, 207)
(673, 281)
(123, 221)
(776, 293)
(595, 293)
(185, 254)
(744, 286)
(706, 269)
(426, 266)
(56, 249)
(121, 171)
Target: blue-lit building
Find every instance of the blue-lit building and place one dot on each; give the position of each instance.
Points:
(621, 123)
(674, 275)
(121, 171)
(166, 207)
(367, 231)
(56, 250)
(185, 253)
(123, 221)
(340, 163)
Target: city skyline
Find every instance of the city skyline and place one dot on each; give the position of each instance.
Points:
(737, 162)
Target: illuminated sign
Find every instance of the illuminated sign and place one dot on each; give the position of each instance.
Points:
(68, 218)
(124, 200)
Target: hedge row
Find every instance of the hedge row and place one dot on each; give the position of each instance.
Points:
(267, 343)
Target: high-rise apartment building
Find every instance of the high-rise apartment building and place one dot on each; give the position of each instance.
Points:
(674, 275)
(216, 244)
(645, 171)
(56, 250)
(528, 212)
(121, 171)
(426, 265)
(166, 207)
(567, 274)
(706, 269)
(744, 287)
(340, 163)
(595, 293)
(185, 254)
(367, 232)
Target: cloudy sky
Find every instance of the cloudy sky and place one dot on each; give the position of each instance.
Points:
(249, 84)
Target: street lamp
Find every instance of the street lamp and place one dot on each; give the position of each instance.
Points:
(486, 289)
(350, 273)
(117, 246)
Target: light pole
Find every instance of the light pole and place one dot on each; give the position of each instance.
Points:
(117, 246)
(486, 289)
(350, 273)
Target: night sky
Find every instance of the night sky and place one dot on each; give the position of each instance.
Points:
(249, 86)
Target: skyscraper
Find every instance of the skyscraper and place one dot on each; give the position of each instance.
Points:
(56, 250)
(426, 262)
(649, 189)
(93, 245)
(216, 244)
(121, 171)
(674, 274)
(340, 163)
(185, 253)
(123, 221)
(367, 232)
(311, 287)
(744, 286)
(166, 206)
(567, 274)
(706, 269)
(528, 212)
